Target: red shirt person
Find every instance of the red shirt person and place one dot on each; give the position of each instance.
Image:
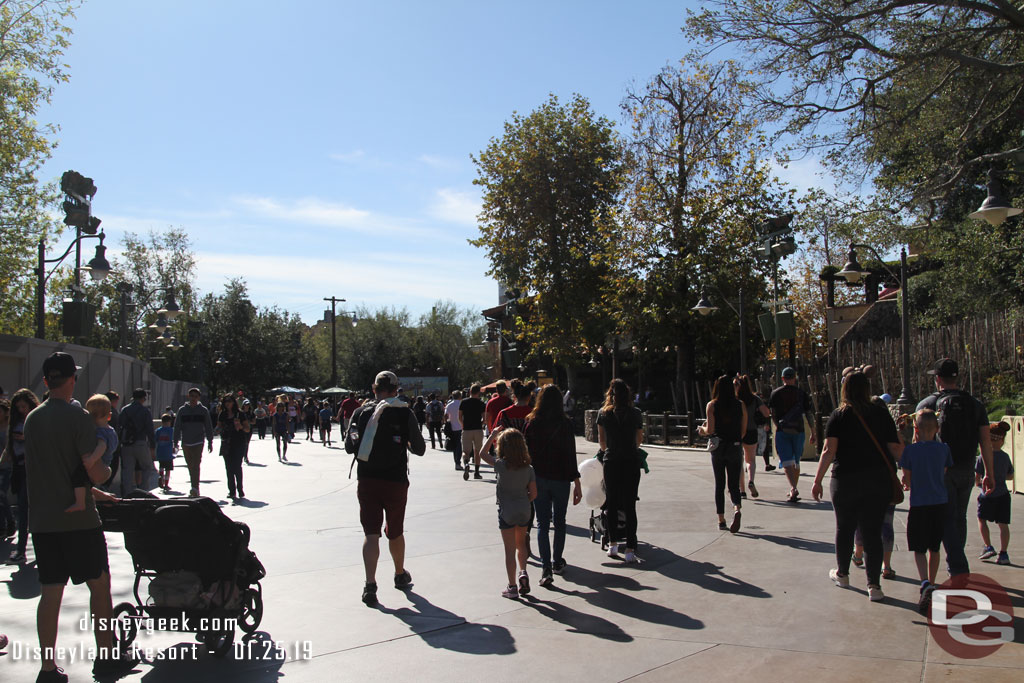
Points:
(497, 404)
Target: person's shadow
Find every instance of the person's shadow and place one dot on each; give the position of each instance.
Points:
(258, 656)
(706, 575)
(578, 622)
(23, 584)
(446, 630)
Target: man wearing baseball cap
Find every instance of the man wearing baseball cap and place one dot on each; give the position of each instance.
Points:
(963, 426)
(379, 435)
(67, 544)
(789, 404)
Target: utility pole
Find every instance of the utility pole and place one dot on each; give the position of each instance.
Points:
(334, 338)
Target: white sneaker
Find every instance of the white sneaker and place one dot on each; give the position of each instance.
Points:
(613, 550)
(838, 579)
(875, 594)
(631, 557)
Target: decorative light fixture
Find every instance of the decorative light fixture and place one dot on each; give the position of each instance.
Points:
(161, 324)
(852, 271)
(170, 308)
(704, 307)
(98, 267)
(593, 361)
(996, 208)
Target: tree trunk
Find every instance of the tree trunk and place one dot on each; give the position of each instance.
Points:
(571, 378)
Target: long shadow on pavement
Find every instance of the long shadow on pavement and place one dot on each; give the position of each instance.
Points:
(794, 542)
(706, 575)
(604, 596)
(23, 583)
(454, 633)
(257, 658)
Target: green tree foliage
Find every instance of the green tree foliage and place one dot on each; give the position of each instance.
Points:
(699, 185)
(262, 346)
(147, 268)
(383, 340)
(925, 94)
(444, 339)
(33, 37)
(550, 185)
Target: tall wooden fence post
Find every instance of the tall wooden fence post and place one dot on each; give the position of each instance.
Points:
(691, 427)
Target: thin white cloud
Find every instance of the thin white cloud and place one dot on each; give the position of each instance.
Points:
(349, 157)
(298, 284)
(455, 206)
(308, 211)
(439, 162)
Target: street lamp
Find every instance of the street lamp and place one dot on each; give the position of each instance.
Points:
(995, 209)
(706, 307)
(334, 337)
(853, 273)
(98, 268)
(777, 243)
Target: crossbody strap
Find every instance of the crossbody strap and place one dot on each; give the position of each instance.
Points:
(867, 429)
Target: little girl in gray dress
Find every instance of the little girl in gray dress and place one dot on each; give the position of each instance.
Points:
(515, 491)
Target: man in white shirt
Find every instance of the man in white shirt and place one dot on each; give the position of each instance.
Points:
(451, 416)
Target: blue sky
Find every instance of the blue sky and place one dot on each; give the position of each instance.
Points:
(321, 148)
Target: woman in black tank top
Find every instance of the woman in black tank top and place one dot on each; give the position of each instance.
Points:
(727, 422)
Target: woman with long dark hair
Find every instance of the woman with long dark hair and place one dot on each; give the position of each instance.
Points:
(757, 417)
(861, 483)
(22, 403)
(552, 446)
(234, 434)
(620, 432)
(725, 426)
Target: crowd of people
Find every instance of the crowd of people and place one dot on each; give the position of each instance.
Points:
(59, 458)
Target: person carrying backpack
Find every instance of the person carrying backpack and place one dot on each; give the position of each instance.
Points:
(963, 426)
(435, 420)
(379, 435)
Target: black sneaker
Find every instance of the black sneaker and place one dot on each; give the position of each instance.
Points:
(545, 577)
(114, 668)
(769, 468)
(926, 598)
(465, 474)
(403, 580)
(370, 594)
(477, 475)
(52, 676)
(558, 567)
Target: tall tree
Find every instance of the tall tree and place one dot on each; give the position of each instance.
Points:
(922, 94)
(443, 340)
(33, 37)
(699, 185)
(550, 184)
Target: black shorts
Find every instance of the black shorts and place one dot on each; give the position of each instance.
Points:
(750, 438)
(79, 555)
(165, 464)
(925, 527)
(995, 509)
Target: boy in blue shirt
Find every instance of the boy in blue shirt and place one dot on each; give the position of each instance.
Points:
(994, 506)
(924, 465)
(165, 449)
(324, 418)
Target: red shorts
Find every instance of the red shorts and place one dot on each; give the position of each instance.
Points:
(380, 499)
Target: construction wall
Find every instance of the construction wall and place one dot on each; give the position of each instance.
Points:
(21, 365)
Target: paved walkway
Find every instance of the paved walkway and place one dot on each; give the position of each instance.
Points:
(704, 605)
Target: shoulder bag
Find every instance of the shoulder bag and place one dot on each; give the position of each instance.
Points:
(897, 487)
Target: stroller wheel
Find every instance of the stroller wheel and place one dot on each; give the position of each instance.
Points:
(218, 643)
(252, 609)
(126, 625)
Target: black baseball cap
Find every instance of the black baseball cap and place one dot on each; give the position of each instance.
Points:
(59, 365)
(946, 367)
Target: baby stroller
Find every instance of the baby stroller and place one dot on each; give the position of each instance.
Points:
(201, 575)
(599, 527)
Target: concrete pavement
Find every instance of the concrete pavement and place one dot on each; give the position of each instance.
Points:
(704, 604)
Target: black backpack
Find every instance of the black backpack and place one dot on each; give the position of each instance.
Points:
(958, 425)
(391, 439)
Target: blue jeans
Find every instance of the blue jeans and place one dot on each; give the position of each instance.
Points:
(959, 484)
(552, 501)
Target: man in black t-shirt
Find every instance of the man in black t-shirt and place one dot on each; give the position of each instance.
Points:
(379, 435)
(789, 405)
(471, 415)
(963, 426)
